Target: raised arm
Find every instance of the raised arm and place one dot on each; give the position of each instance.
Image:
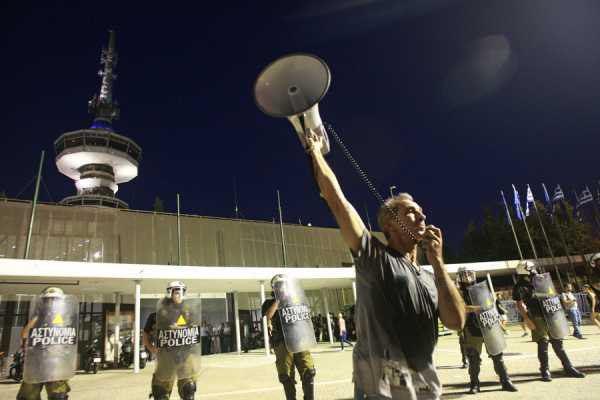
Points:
(271, 310)
(26, 329)
(350, 223)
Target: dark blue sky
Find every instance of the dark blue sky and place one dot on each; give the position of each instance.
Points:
(451, 100)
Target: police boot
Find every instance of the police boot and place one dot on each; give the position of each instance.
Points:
(474, 368)
(308, 384)
(289, 387)
(188, 391)
(543, 357)
(557, 346)
(159, 393)
(500, 369)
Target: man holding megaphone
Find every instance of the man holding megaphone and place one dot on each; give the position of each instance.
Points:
(398, 302)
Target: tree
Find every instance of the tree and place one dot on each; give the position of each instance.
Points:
(2, 194)
(493, 240)
(159, 205)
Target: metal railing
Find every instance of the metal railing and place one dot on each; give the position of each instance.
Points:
(514, 317)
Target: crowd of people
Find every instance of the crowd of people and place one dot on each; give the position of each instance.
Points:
(216, 338)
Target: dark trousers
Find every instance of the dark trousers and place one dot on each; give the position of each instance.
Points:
(205, 344)
(225, 343)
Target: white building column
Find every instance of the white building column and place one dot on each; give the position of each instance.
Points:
(136, 329)
(264, 319)
(117, 329)
(489, 279)
(354, 290)
(236, 312)
(326, 303)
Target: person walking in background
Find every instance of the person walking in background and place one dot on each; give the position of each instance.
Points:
(570, 304)
(523, 325)
(591, 295)
(343, 331)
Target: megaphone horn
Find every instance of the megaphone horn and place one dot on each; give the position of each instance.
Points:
(292, 87)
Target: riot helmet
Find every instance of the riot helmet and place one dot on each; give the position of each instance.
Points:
(278, 278)
(279, 284)
(526, 268)
(465, 276)
(176, 286)
(52, 292)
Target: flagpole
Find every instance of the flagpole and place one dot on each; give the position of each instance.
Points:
(512, 227)
(548, 244)
(526, 227)
(281, 227)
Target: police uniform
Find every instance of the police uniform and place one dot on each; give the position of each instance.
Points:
(524, 291)
(56, 390)
(473, 342)
(166, 373)
(285, 361)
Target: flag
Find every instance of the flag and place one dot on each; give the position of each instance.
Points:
(558, 198)
(517, 203)
(549, 206)
(546, 195)
(558, 194)
(586, 196)
(529, 200)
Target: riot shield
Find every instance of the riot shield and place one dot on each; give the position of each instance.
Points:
(178, 339)
(554, 314)
(488, 319)
(295, 315)
(51, 349)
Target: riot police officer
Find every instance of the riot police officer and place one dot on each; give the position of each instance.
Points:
(290, 335)
(173, 334)
(50, 342)
(474, 337)
(547, 324)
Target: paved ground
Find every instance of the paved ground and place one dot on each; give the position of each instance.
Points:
(252, 375)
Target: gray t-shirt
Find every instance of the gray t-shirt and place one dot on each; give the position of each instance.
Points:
(396, 325)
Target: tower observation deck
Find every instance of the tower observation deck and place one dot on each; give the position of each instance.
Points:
(97, 158)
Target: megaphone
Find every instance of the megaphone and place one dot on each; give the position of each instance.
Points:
(292, 87)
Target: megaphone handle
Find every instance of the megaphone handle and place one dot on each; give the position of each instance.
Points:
(321, 131)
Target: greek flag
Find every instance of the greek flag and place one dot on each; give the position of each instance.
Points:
(517, 204)
(586, 196)
(529, 200)
(558, 194)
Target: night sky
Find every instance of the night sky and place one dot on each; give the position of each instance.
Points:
(449, 100)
